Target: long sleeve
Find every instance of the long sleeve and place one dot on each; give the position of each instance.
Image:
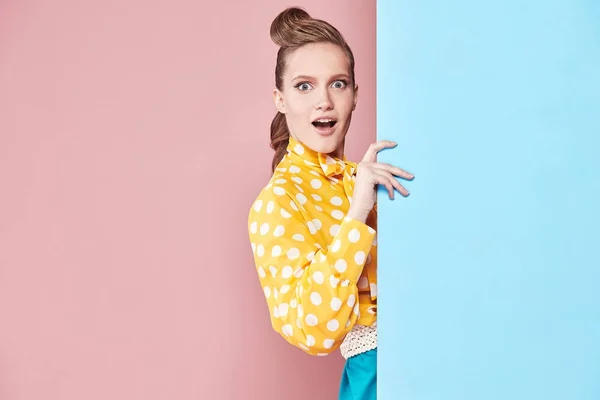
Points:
(311, 291)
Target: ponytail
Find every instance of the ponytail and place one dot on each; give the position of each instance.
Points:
(280, 137)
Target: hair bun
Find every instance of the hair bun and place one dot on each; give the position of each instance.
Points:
(285, 25)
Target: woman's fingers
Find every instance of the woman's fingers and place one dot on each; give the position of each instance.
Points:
(390, 182)
(374, 148)
(394, 170)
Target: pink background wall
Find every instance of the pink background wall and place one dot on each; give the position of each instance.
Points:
(121, 132)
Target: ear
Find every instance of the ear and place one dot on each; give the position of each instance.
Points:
(355, 97)
(278, 100)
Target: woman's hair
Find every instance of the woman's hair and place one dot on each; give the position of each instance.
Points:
(291, 29)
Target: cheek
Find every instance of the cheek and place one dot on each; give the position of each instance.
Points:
(345, 103)
(299, 106)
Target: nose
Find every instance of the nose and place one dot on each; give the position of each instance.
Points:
(324, 102)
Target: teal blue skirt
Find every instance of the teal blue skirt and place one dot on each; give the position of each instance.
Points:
(359, 378)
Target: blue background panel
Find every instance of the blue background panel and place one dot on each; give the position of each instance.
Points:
(489, 273)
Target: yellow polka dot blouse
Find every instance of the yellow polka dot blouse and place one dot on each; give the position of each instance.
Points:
(316, 266)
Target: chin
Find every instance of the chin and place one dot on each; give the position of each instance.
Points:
(326, 145)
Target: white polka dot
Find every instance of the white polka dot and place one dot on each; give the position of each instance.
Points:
(311, 227)
(310, 340)
(293, 253)
(318, 209)
(337, 214)
(280, 181)
(285, 214)
(293, 205)
(341, 265)
(264, 228)
(316, 184)
(301, 198)
(328, 343)
(336, 201)
(316, 197)
(373, 287)
(294, 169)
(296, 179)
(359, 257)
(334, 229)
(300, 310)
(363, 283)
(345, 283)
(253, 245)
(283, 309)
(315, 298)
(260, 250)
(298, 237)
(336, 246)
(351, 300)
(298, 149)
(310, 256)
(323, 257)
(348, 323)
(267, 291)
(293, 303)
(253, 227)
(276, 312)
(333, 281)
(317, 222)
(258, 205)
(335, 304)
(284, 289)
(279, 231)
(356, 310)
(333, 325)
(299, 272)
(276, 252)
(278, 191)
(286, 272)
(270, 207)
(298, 323)
(288, 330)
(303, 347)
(273, 271)
(318, 277)
(329, 160)
(311, 320)
(261, 272)
(299, 188)
(354, 235)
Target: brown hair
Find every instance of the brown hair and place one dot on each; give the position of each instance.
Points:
(291, 29)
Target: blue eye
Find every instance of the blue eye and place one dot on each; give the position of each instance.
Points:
(338, 86)
(303, 86)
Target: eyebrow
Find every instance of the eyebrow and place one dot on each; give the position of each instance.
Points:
(306, 77)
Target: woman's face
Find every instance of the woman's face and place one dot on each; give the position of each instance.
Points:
(317, 97)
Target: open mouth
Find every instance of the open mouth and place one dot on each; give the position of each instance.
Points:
(324, 123)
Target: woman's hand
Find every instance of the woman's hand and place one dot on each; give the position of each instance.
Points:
(370, 174)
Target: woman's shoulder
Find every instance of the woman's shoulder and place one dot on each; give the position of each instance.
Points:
(282, 195)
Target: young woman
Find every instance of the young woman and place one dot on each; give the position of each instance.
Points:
(313, 226)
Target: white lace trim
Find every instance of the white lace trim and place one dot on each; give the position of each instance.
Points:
(359, 340)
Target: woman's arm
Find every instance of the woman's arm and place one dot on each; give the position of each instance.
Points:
(311, 291)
